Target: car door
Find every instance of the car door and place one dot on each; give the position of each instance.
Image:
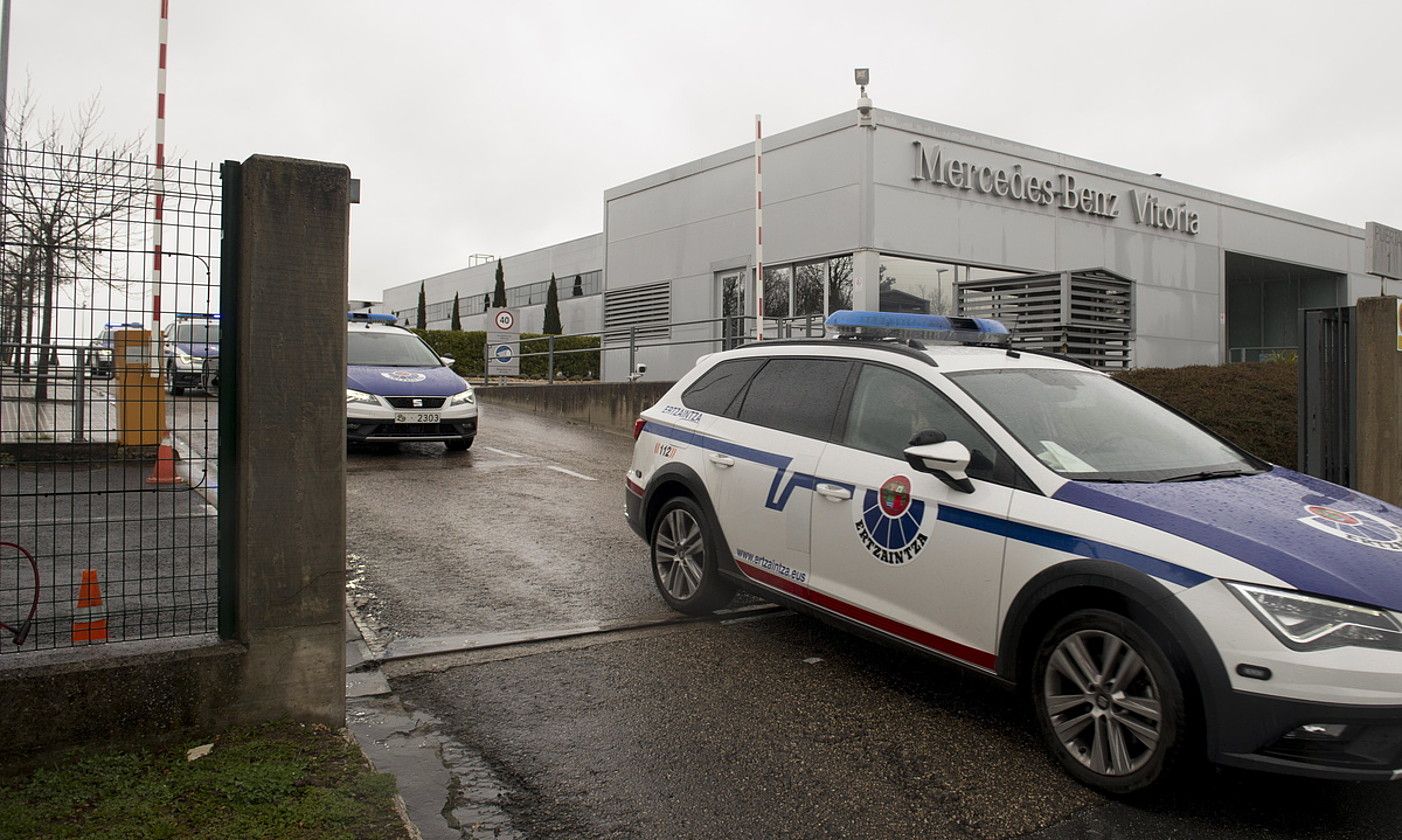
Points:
(761, 460)
(894, 555)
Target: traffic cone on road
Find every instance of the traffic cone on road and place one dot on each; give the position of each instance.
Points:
(89, 622)
(164, 470)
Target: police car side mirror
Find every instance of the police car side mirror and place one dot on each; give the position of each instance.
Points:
(946, 461)
(447, 360)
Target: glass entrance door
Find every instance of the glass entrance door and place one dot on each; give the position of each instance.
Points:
(731, 289)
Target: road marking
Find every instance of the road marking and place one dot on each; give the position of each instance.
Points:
(503, 452)
(572, 472)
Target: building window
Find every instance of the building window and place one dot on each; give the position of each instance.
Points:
(926, 287)
(839, 283)
(777, 283)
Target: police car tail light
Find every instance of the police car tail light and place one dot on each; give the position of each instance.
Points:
(638, 427)
(848, 323)
(1306, 622)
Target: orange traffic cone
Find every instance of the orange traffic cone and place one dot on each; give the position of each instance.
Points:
(89, 625)
(164, 470)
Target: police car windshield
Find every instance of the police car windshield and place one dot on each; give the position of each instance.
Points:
(391, 348)
(1087, 427)
(196, 334)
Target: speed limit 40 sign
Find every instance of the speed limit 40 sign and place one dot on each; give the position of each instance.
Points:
(503, 342)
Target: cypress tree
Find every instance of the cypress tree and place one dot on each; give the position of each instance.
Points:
(499, 291)
(456, 323)
(578, 287)
(423, 309)
(552, 310)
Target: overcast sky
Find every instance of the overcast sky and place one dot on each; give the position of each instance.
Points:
(495, 127)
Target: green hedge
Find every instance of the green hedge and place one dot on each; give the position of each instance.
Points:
(467, 346)
(1252, 405)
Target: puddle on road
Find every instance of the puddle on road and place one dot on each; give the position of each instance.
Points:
(448, 789)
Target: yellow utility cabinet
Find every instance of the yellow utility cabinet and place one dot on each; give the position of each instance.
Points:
(141, 404)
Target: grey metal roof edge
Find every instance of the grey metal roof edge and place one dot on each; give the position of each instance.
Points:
(1013, 148)
(828, 125)
(599, 236)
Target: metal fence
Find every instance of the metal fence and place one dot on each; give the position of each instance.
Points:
(107, 499)
(712, 334)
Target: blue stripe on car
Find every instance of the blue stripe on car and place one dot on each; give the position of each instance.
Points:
(1072, 544)
(778, 498)
(1056, 540)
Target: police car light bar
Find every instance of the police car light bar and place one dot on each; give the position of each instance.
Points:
(211, 316)
(372, 317)
(850, 324)
(127, 326)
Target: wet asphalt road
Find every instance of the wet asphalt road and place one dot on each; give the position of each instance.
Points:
(771, 725)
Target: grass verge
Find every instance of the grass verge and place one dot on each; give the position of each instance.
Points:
(272, 781)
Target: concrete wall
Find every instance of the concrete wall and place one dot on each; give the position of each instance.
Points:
(1378, 407)
(282, 504)
(613, 405)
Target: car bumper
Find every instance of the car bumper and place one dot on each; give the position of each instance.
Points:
(376, 431)
(1260, 732)
(633, 507)
(1354, 693)
(205, 374)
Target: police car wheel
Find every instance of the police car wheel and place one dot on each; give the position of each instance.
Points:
(170, 382)
(684, 559)
(1108, 702)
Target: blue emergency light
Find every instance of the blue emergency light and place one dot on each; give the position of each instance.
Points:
(849, 323)
(210, 316)
(130, 325)
(372, 317)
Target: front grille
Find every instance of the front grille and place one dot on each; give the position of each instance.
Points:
(422, 402)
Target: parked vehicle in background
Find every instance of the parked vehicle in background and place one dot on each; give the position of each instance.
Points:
(1155, 591)
(399, 391)
(100, 362)
(192, 353)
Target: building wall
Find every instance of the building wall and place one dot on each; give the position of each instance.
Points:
(1180, 284)
(564, 260)
(684, 225)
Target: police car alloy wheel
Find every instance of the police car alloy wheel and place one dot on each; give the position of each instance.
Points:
(1108, 701)
(683, 559)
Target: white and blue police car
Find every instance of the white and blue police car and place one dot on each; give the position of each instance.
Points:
(1158, 593)
(399, 391)
(191, 349)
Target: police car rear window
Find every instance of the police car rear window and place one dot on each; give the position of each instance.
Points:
(799, 396)
(716, 390)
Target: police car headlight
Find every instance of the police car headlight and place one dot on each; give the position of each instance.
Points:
(463, 398)
(353, 396)
(183, 359)
(1308, 622)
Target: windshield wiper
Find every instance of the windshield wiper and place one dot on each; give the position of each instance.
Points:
(1206, 475)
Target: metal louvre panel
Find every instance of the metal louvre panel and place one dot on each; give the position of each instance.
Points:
(641, 311)
(1087, 314)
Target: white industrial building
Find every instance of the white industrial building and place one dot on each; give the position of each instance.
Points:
(892, 216)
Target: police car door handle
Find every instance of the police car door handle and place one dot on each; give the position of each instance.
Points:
(721, 460)
(834, 492)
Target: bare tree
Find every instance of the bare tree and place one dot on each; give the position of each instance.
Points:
(68, 192)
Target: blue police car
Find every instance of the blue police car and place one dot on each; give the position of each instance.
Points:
(1157, 592)
(399, 391)
(192, 352)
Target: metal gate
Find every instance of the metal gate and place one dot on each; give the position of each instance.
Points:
(1328, 372)
(109, 421)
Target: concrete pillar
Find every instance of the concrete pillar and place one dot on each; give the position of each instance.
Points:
(866, 275)
(289, 500)
(1378, 402)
